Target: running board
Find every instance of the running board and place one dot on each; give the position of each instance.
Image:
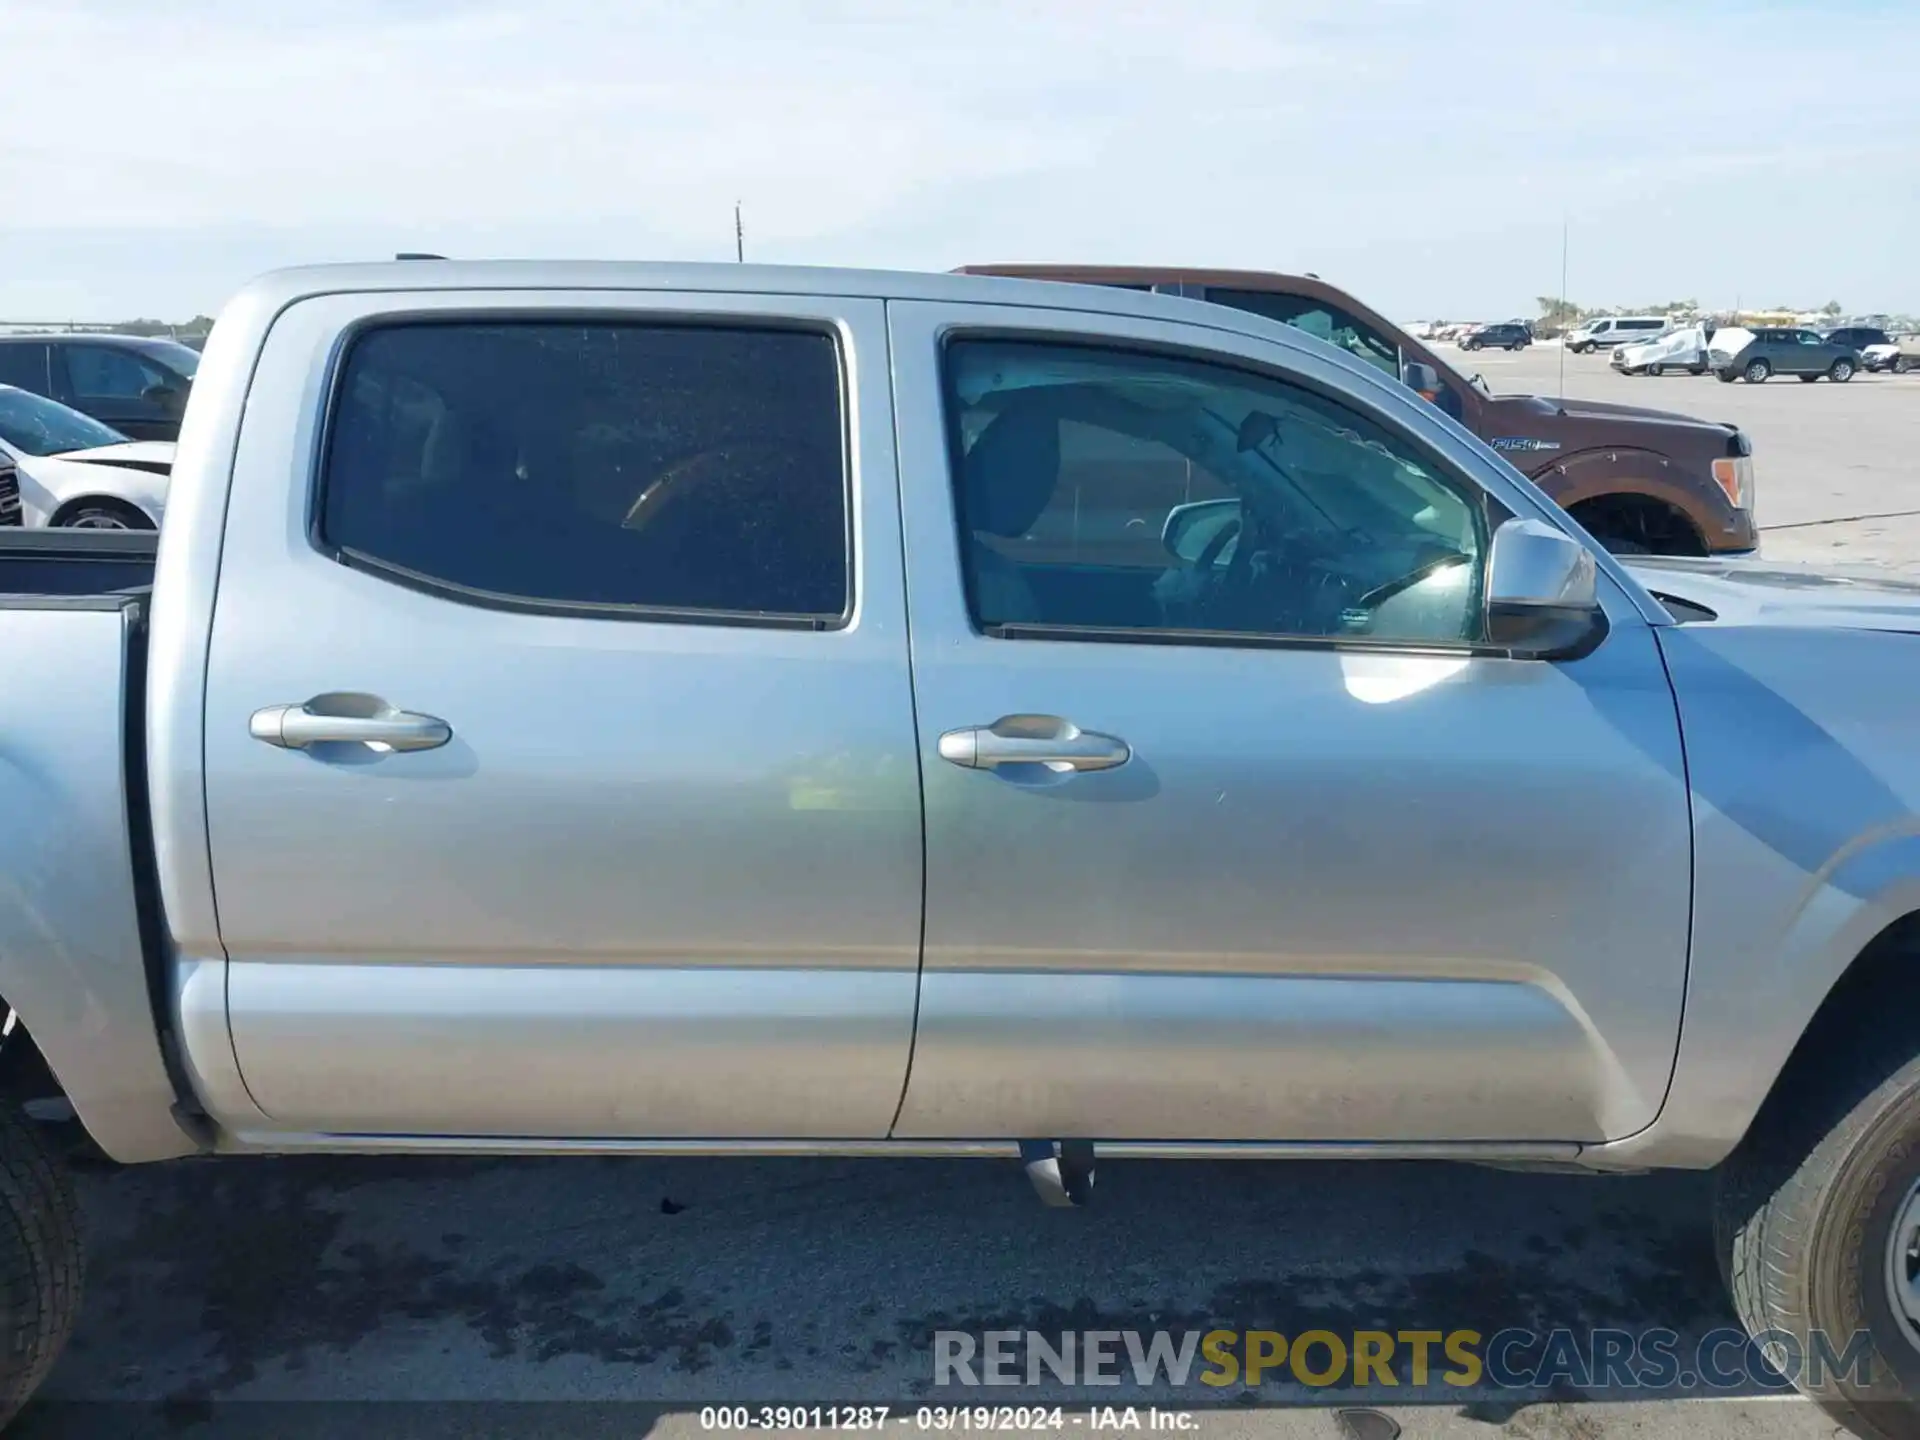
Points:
(1482, 1152)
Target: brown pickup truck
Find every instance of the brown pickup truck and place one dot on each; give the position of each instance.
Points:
(1640, 481)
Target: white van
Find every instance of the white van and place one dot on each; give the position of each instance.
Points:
(1611, 330)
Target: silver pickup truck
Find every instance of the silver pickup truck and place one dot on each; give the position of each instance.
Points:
(625, 709)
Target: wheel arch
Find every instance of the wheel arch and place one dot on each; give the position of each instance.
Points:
(133, 511)
(1856, 933)
(1643, 517)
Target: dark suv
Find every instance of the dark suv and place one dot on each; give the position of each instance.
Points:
(1779, 350)
(1501, 337)
(137, 385)
(1858, 337)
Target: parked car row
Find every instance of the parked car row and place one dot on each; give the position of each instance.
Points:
(1756, 353)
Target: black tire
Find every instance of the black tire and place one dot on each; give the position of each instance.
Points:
(1757, 372)
(1696, 369)
(41, 1259)
(1901, 365)
(1803, 1214)
(102, 513)
(1656, 369)
(1469, 344)
(1725, 377)
(1842, 371)
(1807, 379)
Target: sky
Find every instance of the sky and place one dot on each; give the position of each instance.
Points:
(1424, 154)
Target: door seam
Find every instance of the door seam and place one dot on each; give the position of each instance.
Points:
(913, 704)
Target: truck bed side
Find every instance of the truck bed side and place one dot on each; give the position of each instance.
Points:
(72, 823)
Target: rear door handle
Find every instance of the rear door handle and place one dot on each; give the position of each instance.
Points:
(1060, 745)
(347, 719)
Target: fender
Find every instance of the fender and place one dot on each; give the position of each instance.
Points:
(1744, 1015)
(1619, 470)
(71, 958)
(51, 483)
(1805, 788)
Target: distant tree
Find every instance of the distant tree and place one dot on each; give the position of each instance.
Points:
(1557, 311)
(1831, 309)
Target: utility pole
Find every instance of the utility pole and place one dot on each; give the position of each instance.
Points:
(739, 236)
(1564, 227)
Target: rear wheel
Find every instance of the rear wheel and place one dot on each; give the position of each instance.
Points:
(1757, 372)
(1901, 365)
(1841, 372)
(1656, 369)
(1696, 369)
(40, 1258)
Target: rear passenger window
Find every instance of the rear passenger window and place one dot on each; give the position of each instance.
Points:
(672, 471)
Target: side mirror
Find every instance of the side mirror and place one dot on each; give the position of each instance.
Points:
(1421, 377)
(1543, 595)
(1191, 528)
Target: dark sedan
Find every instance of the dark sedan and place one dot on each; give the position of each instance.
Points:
(135, 384)
(1758, 355)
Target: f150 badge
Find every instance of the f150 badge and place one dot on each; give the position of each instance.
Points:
(1521, 442)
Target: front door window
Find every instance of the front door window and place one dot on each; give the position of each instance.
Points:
(1123, 490)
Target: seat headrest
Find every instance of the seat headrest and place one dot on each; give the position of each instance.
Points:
(1012, 470)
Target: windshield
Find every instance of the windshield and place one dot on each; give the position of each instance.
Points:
(40, 426)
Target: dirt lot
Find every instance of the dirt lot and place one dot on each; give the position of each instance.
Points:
(321, 1297)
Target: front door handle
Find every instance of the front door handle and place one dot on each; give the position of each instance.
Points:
(347, 719)
(1060, 745)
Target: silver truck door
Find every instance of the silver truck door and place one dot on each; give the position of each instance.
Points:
(559, 754)
(1303, 862)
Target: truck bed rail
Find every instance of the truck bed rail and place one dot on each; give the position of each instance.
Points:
(39, 564)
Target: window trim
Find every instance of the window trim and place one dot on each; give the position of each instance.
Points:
(45, 386)
(479, 598)
(67, 344)
(1488, 514)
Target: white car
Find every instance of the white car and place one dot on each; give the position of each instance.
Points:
(1897, 357)
(75, 471)
(1682, 348)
